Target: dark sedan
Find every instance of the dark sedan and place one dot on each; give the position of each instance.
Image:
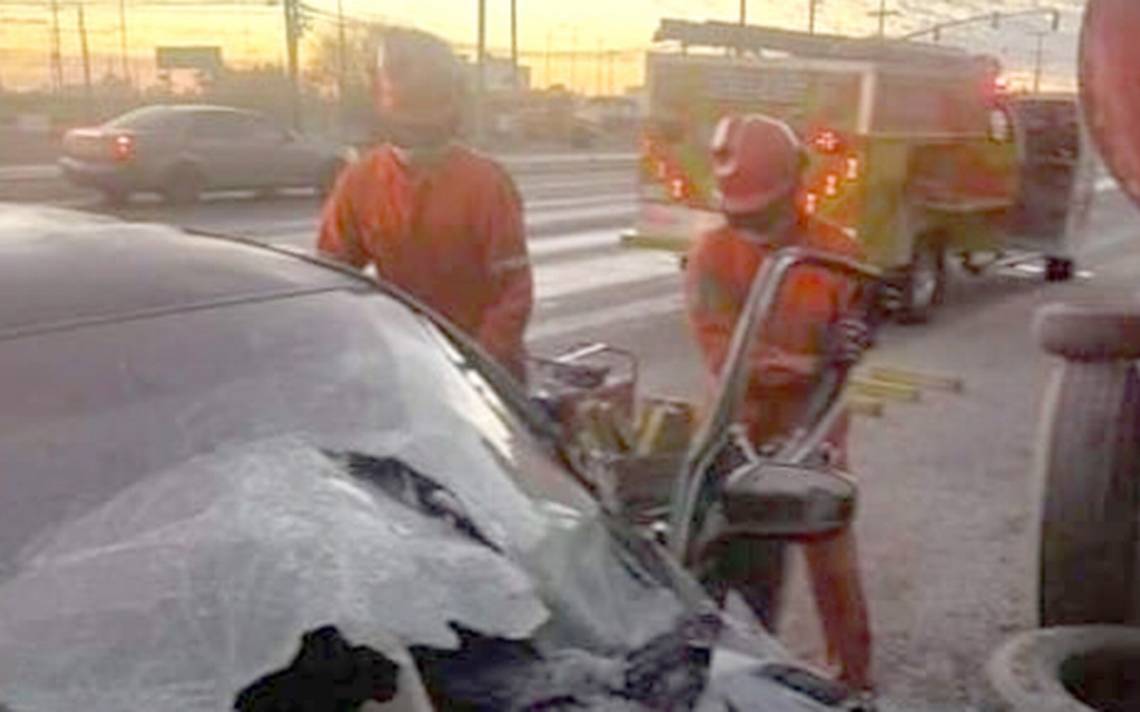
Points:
(183, 150)
(223, 466)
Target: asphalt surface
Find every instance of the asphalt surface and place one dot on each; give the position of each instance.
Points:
(946, 526)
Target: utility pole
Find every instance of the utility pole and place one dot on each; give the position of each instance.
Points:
(123, 40)
(56, 57)
(342, 67)
(743, 22)
(573, 58)
(86, 62)
(598, 68)
(1038, 58)
(883, 13)
(811, 16)
(292, 35)
(480, 75)
(514, 45)
(546, 70)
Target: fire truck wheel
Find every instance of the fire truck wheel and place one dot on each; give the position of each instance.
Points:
(1089, 467)
(1077, 669)
(923, 283)
(1058, 269)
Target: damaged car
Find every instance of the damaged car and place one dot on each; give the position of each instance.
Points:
(234, 477)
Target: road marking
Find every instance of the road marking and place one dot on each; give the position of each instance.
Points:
(638, 309)
(625, 200)
(549, 246)
(562, 279)
(593, 181)
(569, 215)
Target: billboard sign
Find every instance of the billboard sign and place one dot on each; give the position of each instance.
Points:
(203, 58)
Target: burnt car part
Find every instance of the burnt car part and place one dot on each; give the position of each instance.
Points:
(493, 673)
(404, 484)
(328, 674)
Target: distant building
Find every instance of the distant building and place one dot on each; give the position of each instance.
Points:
(498, 75)
(610, 111)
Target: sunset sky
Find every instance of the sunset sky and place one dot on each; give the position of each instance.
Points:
(251, 31)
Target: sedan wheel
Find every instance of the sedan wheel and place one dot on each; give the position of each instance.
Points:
(184, 186)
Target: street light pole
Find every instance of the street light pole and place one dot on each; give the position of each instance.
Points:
(811, 16)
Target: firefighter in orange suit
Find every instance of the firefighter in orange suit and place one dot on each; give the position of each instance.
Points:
(757, 163)
(434, 217)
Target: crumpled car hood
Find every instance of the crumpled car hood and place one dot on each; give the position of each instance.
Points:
(190, 584)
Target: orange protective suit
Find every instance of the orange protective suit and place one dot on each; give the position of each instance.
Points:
(789, 353)
(719, 275)
(449, 231)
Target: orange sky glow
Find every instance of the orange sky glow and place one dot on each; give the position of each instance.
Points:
(250, 31)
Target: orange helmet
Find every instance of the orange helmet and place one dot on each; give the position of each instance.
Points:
(419, 81)
(757, 161)
(1110, 86)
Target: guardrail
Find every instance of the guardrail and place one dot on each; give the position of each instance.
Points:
(28, 173)
(522, 163)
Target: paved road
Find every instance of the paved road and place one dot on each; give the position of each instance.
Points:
(946, 523)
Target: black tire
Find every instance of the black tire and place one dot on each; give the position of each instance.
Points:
(183, 185)
(1078, 669)
(1090, 332)
(328, 177)
(1089, 462)
(923, 284)
(1059, 269)
(115, 197)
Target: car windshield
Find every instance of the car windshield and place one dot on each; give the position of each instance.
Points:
(225, 509)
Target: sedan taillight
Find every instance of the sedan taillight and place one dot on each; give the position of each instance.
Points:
(123, 147)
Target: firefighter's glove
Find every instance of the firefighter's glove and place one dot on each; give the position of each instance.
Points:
(848, 339)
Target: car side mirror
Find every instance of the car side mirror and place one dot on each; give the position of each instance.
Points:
(787, 501)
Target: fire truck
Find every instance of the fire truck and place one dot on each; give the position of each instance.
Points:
(915, 150)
